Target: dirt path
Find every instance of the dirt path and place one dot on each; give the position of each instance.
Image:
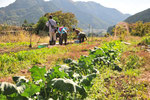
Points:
(17, 49)
(24, 48)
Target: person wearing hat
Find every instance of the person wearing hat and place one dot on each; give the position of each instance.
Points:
(51, 23)
(80, 35)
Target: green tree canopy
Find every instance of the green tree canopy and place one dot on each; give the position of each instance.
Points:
(25, 21)
(63, 19)
(41, 24)
(27, 25)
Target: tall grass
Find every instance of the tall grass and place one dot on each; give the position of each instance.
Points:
(23, 36)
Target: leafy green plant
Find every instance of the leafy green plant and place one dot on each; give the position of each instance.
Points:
(55, 84)
(12, 91)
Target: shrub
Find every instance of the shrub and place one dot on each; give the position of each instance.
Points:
(145, 41)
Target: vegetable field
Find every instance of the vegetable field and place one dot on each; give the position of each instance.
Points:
(102, 69)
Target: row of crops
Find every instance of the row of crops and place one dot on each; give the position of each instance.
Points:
(10, 45)
(13, 62)
(69, 81)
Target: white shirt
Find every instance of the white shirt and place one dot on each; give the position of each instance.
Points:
(49, 23)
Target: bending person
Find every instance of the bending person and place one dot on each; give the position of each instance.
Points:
(63, 35)
(80, 35)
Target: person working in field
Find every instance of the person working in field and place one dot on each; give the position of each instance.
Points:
(52, 27)
(80, 35)
(62, 35)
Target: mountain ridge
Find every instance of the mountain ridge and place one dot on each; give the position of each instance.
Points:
(94, 13)
(141, 16)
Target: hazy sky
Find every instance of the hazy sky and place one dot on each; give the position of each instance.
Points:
(125, 6)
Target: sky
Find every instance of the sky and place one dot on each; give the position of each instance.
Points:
(125, 6)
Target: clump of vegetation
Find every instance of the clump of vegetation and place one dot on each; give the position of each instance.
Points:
(41, 25)
(136, 29)
(139, 28)
(114, 85)
(26, 24)
(145, 41)
(133, 62)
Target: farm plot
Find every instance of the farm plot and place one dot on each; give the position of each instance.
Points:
(104, 73)
(74, 79)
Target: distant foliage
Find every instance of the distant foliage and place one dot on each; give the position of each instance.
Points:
(4, 27)
(8, 29)
(140, 28)
(136, 29)
(26, 24)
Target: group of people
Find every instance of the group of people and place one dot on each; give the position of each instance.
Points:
(61, 33)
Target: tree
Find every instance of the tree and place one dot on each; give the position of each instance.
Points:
(63, 19)
(110, 30)
(25, 21)
(1, 28)
(26, 24)
(41, 24)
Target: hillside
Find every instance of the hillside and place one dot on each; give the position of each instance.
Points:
(20, 10)
(84, 18)
(93, 13)
(141, 16)
(109, 15)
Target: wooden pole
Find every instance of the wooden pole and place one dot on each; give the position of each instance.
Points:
(89, 31)
(30, 29)
(30, 46)
(92, 33)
